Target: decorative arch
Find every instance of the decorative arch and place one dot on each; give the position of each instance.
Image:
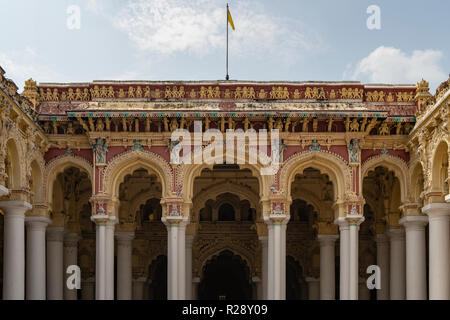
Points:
(395, 164)
(127, 162)
(36, 178)
(439, 173)
(416, 172)
(327, 162)
(186, 175)
(15, 155)
(58, 165)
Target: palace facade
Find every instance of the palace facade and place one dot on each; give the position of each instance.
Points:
(86, 179)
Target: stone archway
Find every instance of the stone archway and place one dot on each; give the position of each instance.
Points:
(225, 276)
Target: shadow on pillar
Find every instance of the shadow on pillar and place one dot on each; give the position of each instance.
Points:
(157, 279)
(295, 282)
(337, 274)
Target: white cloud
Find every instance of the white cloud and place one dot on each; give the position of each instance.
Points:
(198, 26)
(94, 6)
(391, 65)
(22, 65)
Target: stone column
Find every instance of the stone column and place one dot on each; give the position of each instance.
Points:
(88, 289)
(277, 255)
(189, 241)
(257, 289)
(364, 292)
(327, 272)
(36, 257)
(383, 263)
(416, 268)
(70, 258)
(354, 222)
(109, 242)
(344, 243)
(124, 265)
(176, 268)
(181, 261)
(313, 288)
(147, 286)
(397, 263)
(14, 249)
(100, 259)
(270, 258)
(439, 242)
(195, 283)
(283, 260)
(264, 265)
(138, 288)
(55, 263)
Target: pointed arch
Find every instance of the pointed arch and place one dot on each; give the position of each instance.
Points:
(328, 163)
(127, 162)
(58, 165)
(186, 175)
(395, 164)
(439, 166)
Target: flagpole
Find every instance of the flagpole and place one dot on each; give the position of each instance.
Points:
(227, 76)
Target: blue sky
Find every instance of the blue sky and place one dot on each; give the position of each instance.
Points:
(296, 40)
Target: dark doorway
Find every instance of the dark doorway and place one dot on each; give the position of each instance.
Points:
(225, 277)
(158, 276)
(295, 284)
(226, 212)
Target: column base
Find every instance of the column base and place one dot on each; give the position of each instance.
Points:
(408, 221)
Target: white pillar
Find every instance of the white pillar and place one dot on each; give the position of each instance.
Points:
(109, 239)
(88, 289)
(283, 260)
(176, 256)
(383, 262)
(55, 263)
(181, 265)
(327, 272)
(313, 288)
(172, 257)
(439, 242)
(264, 263)
(36, 257)
(70, 258)
(354, 222)
(344, 256)
(270, 248)
(397, 263)
(416, 268)
(138, 288)
(14, 249)
(277, 256)
(100, 252)
(124, 265)
(189, 242)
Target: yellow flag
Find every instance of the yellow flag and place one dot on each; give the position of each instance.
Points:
(230, 19)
